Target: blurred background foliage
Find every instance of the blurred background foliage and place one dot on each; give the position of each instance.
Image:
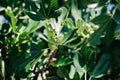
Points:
(59, 39)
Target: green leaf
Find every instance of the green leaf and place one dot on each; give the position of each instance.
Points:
(52, 78)
(68, 35)
(118, 5)
(72, 72)
(63, 12)
(103, 66)
(103, 21)
(52, 46)
(117, 32)
(34, 12)
(76, 76)
(102, 2)
(117, 1)
(70, 23)
(79, 68)
(32, 26)
(13, 19)
(76, 13)
(116, 16)
(110, 30)
(27, 60)
(5, 29)
(2, 68)
(63, 72)
(37, 16)
(54, 4)
(46, 10)
(62, 61)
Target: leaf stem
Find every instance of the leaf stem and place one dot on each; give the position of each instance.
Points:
(113, 13)
(85, 75)
(90, 78)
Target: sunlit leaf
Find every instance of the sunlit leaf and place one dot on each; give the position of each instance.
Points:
(80, 69)
(13, 19)
(2, 68)
(72, 72)
(67, 36)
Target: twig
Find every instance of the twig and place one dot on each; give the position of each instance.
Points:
(45, 66)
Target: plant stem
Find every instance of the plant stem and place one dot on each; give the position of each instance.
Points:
(113, 13)
(90, 78)
(46, 65)
(85, 75)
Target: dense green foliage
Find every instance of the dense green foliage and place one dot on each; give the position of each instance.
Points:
(60, 40)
